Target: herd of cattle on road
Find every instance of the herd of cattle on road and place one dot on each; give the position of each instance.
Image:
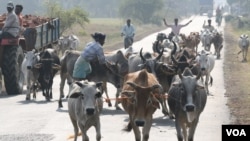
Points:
(174, 77)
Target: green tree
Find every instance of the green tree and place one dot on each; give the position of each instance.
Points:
(68, 17)
(144, 11)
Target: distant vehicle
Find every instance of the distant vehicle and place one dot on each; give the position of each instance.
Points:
(206, 7)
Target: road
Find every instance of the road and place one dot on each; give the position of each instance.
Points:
(38, 120)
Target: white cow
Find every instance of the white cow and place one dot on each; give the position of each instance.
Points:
(243, 44)
(70, 42)
(85, 104)
(30, 72)
(206, 63)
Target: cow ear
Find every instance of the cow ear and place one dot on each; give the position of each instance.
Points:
(75, 95)
(100, 87)
(38, 65)
(79, 84)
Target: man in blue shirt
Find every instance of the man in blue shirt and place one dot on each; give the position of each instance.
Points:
(92, 52)
(128, 31)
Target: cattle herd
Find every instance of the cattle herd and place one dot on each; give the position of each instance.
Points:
(174, 78)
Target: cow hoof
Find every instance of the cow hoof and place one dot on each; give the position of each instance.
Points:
(109, 104)
(27, 98)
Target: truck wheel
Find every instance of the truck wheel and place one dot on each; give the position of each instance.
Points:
(13, 78)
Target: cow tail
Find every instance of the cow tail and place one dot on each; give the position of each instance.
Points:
(128, 128)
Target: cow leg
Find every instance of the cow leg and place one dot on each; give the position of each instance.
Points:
(28, 89)
(136, 131)
(106, 92)
(192, 130)
(146, 129)
(178, 130)
(76, 130)
(206, 84)
(84, 132)
(98, 131)
(117, 100)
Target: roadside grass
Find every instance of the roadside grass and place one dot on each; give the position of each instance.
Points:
(237, 76)
(112, 28)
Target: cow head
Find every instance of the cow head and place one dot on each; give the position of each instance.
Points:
(148, 62)
(31, 58)
(189, 88)
(89, 96)
(142, 101)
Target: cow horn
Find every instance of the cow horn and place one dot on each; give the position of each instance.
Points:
(132, 84)
(159, 56)
(143, 59)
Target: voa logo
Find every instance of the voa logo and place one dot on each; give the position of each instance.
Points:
(236, 132)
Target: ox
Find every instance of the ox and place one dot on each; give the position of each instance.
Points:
(187, 99)
(151, 64)
(30, 73)
(243, 44)
(139, 100)
(191, 41)
(206, 63)
(206, 39)
(84, 106)
(99, 72)
(48, 65)
(70, 42)
(122, 61)
(218, 43)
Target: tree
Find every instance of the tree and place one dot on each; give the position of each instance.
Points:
(67, 17)
(141, 10)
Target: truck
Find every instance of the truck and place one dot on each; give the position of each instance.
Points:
(38, 34)
(206, 6)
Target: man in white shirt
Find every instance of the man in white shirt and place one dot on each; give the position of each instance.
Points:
(128, 31)
(176, 27)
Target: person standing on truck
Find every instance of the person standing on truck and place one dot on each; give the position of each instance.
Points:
(209, 26)
(93, 51)
(18, 11)
(128, 31)
(11, 25)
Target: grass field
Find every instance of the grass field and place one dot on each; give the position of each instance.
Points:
(112, 28)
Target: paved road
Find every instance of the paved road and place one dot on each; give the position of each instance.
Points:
(38, 120)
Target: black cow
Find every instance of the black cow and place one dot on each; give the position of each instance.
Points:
(187, 99)
(48, 66)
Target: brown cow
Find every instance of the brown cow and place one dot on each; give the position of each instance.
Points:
(139, 100)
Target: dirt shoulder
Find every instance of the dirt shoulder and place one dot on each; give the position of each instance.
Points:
(236, 76)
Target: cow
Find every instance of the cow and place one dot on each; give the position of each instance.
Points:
(30, 72)
(206, 39)
(48, 66)
(151, 64)
(99, 72)
(121, 59)
(206, 62)
(139, 100)
(217, 41)
(70, 42)
(191, 41)
(85, 104)
(243, 44)
(187, 99)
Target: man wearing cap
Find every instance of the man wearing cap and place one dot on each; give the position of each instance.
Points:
(209, 26)
(11, 25)
(92, 52)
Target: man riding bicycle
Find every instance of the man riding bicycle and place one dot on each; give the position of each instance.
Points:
(128, 31)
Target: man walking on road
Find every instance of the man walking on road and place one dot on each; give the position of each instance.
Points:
(128, 31)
